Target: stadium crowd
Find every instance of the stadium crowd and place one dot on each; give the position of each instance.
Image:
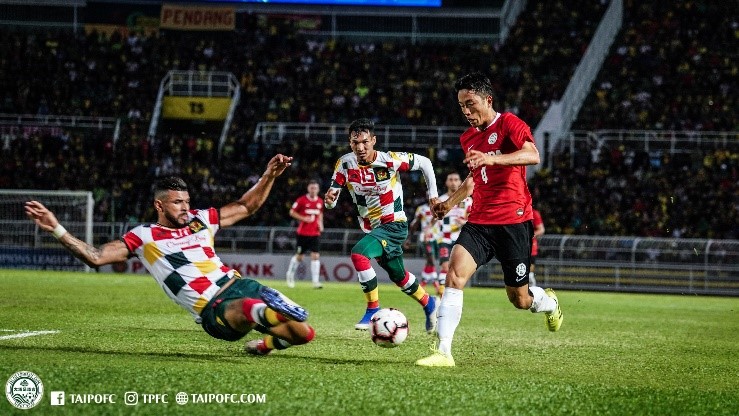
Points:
(623, 190)
(673, 67)
(289, 76)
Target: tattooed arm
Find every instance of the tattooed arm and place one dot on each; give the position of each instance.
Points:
(112, 252)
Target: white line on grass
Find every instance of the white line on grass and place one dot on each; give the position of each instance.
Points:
(26, 334)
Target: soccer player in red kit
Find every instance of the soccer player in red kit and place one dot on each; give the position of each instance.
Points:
(498, 147)
(308, 211)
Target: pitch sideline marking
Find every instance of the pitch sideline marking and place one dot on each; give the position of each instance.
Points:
(25, 334)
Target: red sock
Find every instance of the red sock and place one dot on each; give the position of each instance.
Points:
(311, 334)
(247, 306)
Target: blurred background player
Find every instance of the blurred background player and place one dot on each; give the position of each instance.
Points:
(179, 254)
(372, 178)
(308, 211)
(538, 232)
(451, 224)
(429, 237)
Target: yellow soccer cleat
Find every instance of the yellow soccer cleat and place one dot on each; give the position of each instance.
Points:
(437, 359)
(554, 319)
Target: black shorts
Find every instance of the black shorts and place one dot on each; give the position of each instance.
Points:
(510, 244)
(306, 244)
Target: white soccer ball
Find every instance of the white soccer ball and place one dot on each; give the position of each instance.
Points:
(388, 327)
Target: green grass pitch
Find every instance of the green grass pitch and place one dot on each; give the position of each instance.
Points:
(616, 354)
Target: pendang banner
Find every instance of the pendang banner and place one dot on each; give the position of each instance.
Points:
(180, 17)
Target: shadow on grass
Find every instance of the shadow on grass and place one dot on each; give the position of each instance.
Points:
(85, 350)
(232, 355)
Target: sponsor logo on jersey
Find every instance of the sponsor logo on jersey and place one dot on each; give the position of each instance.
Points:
(369, 190)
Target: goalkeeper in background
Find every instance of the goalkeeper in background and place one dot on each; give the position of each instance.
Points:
(178, 252)
(373, 180)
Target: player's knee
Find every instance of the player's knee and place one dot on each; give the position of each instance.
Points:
(360, 262)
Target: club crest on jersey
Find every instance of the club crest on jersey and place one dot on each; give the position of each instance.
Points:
(493, 138)
(381, 174)
(195, 225)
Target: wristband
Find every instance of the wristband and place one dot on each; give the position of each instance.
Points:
(59, 231)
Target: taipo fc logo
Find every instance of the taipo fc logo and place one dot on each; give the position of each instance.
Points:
(24, 390)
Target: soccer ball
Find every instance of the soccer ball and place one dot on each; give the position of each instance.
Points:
(388, 327)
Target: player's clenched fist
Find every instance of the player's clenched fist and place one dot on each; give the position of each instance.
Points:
(330, 196)
(277, 165)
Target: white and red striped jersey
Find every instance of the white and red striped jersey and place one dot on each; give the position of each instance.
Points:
(376, 188)
(452, 223)
(182, 260)
(430, 230)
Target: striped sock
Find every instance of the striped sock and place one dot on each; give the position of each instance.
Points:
(367, 279)
(409, 285)
(257, 312)
(274, 343)
(271, 342)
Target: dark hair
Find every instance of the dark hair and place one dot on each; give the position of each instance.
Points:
(169, 183)
(475, 81)
(362, 124)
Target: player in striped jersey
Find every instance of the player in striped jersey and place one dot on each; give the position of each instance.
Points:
(373, 180)
(178, 252)
(429, 237)
(451, 224)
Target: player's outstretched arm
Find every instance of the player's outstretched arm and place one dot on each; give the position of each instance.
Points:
(112, 252)
(250, 202)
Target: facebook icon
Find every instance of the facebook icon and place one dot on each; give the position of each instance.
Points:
(57, 398)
